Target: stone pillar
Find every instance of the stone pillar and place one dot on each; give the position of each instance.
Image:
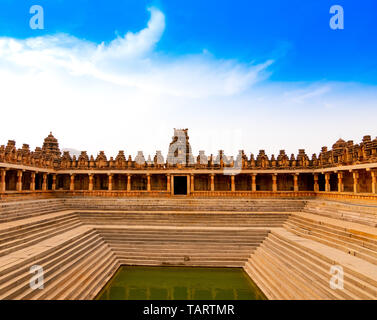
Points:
(32, 181)
(212, 182)
(148, 182)
(91, 177)
(254, 182)
(53, 187)
(128, 182)
(3, 173)
(316, 185)
(110, 185)
(19, 180)
(192, 185)
(172, 185)
(274, 182)
(374, 184)
(340, 182)
(232, 183)
(44, 182)
(327, 182)
(168, 179)
(356, 187)
(295, 182)
(188, 185)
(72, 184)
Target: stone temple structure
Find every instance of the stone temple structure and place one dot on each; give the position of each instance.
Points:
(288, 220)
(345, 169)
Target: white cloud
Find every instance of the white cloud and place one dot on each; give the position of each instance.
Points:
(126, 94)
(130, 61)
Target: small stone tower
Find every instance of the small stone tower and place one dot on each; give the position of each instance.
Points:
(51, 146)
(179, 149)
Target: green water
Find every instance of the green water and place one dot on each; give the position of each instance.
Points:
(180, 283)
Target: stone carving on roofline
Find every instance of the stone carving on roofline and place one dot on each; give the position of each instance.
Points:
(101, 160)
(139, 159)
(180, 155)
(83, 160)
(149, 161)
(202, 159)
(282, 159)
(159, 159)
(219, 160)
(120, 160)
(51, 146)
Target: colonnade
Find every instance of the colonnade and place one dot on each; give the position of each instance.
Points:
(356, 181)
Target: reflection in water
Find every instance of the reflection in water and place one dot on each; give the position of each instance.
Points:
(180, 283)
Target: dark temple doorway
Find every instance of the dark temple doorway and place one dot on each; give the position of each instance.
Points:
(180, 185)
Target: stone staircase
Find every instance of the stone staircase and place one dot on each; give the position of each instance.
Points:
(286, 266)
(210, 247)
(286, 246)
(27, 232)
(76, 265)
(16, 196)
(183, 219)
(10, 211)
(360, 213)
(351, 238)
(185, 204)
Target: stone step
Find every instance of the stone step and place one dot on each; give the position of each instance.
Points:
(17, 208)
(341, 232)
(319, 279)
(8, 229)
(322, 268)
(363, 270)
(23, 290)
(24, 232)
(178, 262)
(336, 242)
(55, 276)
(183, 238)
(95, 281)
(22, 274)
(41, 250)
(16, 216)
(268, 278)
(205, 255)
(173, 247)
(26, 242)
(364, 214)
(258, 280)
(294, 287)
(147, 230)
(76, 277)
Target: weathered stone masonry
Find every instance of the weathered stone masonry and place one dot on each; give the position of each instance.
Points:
(348, 170)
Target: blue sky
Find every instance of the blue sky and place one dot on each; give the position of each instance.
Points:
(295, 32)
(244, 65)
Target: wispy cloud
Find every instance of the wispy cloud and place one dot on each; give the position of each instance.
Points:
(303, 95)
(126, 94)
(132, 62)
